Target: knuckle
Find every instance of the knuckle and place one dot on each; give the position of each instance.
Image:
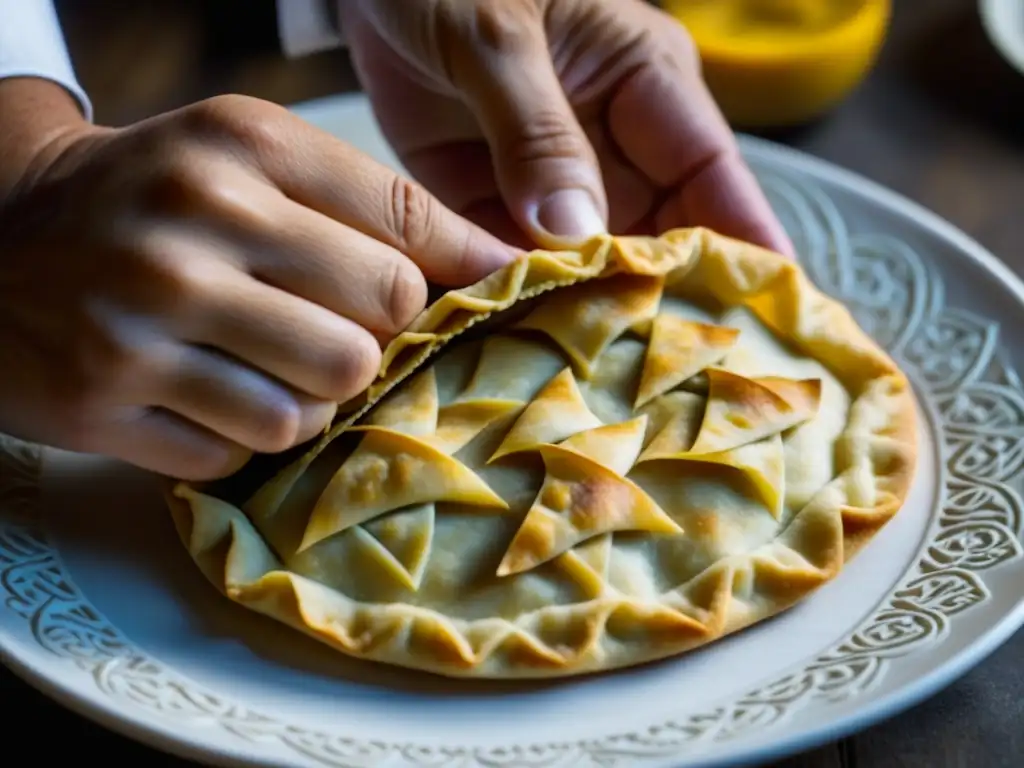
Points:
(263, 132)
(547, 135)
(507, 27)
(220, 195)
(162, 277)
(675, 48)
(253, 123)
(158, 279)
(217, 115)
(411, 211)
(186, 186)
(171, 189)
(196, 185)
(404, 294)
(686, 51)
(176, 280)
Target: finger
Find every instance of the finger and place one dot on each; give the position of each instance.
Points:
(492, 214)
(397, 89)
(631, 195)
(695, 155)
(397, 211)
(320, 172)
(474, 182)
(298, 342)
(234, 217)
(356, 276)
(473, 192)
(196, 279)
(546, 169)
(723, 196)
(166, 443)
(451, 139)
(238, 403)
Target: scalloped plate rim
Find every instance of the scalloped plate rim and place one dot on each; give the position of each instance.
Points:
(108, 715)
(175, 740)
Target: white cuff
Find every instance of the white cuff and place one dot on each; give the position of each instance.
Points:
(307, 26)
(31, 45)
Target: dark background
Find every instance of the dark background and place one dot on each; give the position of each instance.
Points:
(941, 120)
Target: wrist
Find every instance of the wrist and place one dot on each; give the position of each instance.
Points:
(38, 120)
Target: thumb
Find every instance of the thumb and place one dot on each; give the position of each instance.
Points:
(545, 167)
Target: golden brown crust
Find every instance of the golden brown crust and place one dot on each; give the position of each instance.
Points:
(678, 350)
(876, 456)
(742, 410)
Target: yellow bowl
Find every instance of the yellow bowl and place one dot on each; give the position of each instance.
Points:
(774, 63)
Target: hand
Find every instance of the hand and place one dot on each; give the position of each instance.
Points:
(208, 283)
(547, 120)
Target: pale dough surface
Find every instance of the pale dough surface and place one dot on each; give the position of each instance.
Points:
(653, 443)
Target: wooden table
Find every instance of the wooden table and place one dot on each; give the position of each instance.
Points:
(941, 120)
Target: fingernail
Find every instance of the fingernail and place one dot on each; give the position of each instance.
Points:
(570, 213)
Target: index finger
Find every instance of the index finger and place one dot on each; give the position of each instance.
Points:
(667, 124)
(322, 173)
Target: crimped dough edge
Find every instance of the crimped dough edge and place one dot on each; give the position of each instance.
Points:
(876, 458)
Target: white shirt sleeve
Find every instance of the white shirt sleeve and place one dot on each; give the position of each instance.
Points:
(307, 26)
(32, 45)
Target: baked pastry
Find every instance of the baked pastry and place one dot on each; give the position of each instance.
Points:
(588, 460)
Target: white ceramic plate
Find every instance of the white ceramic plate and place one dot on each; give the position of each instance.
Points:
(103, 610)
(1004, 23)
